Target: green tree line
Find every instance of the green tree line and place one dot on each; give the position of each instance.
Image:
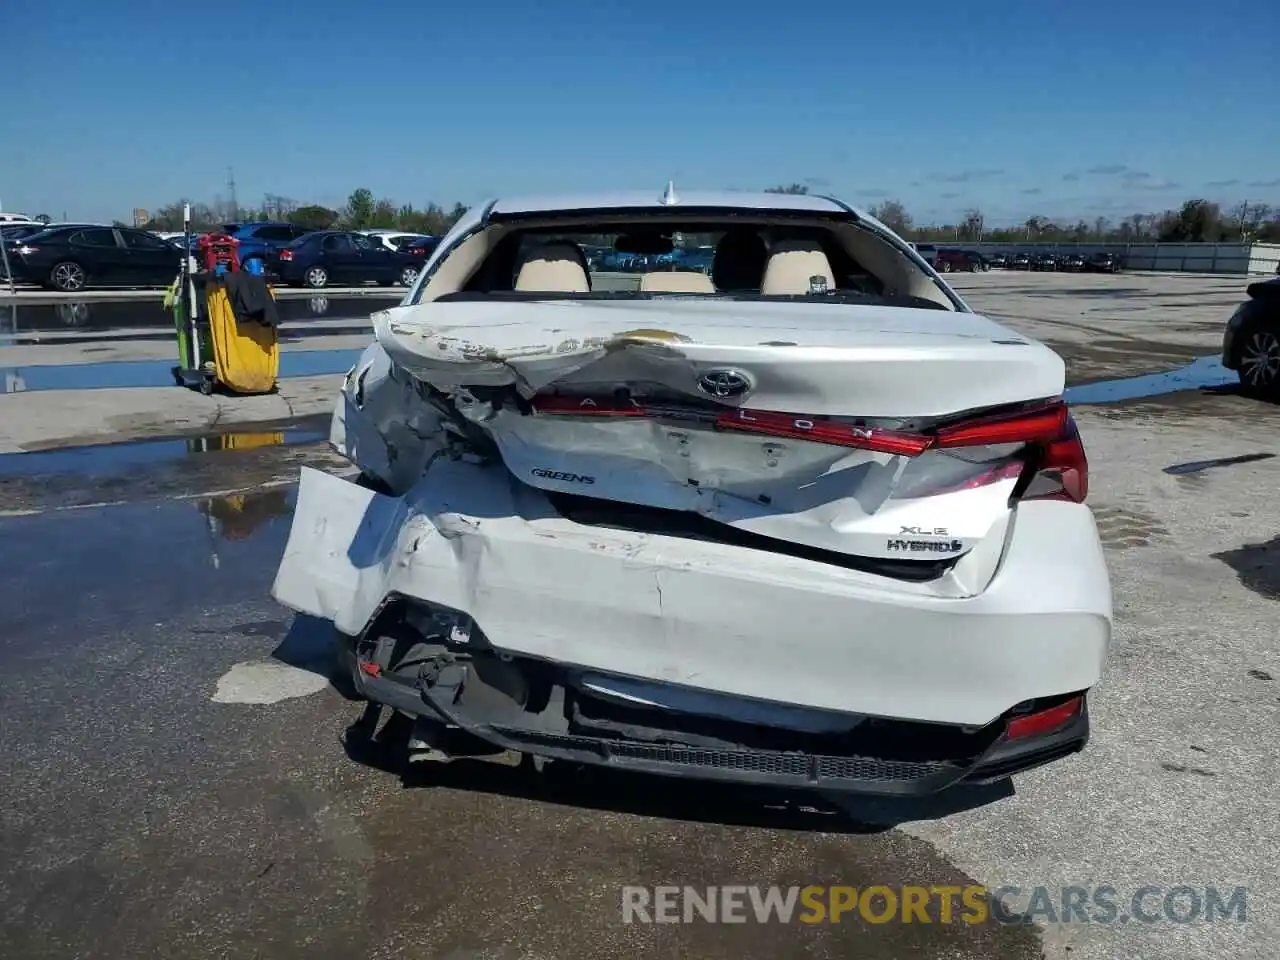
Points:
(362, 211)
(1196, 220)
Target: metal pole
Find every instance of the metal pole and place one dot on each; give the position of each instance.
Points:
(4, 253)
(189, 289)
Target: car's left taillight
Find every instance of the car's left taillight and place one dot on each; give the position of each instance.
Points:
(286, 255)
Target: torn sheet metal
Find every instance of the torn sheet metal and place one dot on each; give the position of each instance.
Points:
(382, 424)
(819, 359)
(701, 614)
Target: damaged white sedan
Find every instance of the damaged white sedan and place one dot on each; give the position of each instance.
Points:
(801, 519)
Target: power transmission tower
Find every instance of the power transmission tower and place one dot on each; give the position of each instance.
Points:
(231, 190)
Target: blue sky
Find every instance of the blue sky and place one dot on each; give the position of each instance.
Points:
(1079, 108)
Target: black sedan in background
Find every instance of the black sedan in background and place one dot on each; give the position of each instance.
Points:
(1251, 342)
(1103, 263)
(71, 258)
(328, 257)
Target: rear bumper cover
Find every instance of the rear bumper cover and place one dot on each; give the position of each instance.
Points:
(705, 615)
(867, 774)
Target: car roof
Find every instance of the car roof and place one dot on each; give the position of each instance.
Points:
(657, 200)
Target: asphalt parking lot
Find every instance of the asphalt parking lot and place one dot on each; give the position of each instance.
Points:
(180, 785)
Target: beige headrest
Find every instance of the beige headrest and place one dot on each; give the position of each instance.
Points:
(553, 268)
(676, 281)
(792, 264)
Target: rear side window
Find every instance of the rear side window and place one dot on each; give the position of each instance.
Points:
(275, 234)
(95, 238)
(145, 241)
(338, 243)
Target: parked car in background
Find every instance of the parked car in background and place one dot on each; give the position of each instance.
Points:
(1072, 262)
(1001, 260)
(261, 240)
(328, 257)
(947, 260)
(420, 247)
(71, 258)
(928, 251)
(391, 239)
(1103, 263)
(1020, 261)
(977, 262)
(1044, 262)
(1251, 341)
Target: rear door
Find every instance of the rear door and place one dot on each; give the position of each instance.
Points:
(341, 257)
(376, 261)
(152, 261)
(102, 254)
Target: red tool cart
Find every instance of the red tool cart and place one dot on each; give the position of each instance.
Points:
(219, 253)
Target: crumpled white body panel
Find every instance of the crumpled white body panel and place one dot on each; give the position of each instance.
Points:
(817, 359)
(709, 616)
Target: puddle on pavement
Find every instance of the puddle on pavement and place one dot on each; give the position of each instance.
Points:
(1199, 374)
(238, 516)
(20, 318)
(157, 373)
(103, 459)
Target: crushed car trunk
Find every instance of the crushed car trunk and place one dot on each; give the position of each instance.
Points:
(886, 433)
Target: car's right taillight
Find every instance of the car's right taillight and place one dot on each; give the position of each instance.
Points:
(1057, 469)
(1055, 464)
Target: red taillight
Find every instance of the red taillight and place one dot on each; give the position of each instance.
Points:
(1061, 468)
(1043, 721)
(286, 254)
(1054, 454)
(1040, 425)
(819, 430)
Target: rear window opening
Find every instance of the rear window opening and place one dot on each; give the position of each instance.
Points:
(627, 256)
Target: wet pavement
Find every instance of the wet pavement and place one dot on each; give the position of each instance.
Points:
(187, 785)
(185, 790)
(158, 373)
(1199, 374)
(268, 454)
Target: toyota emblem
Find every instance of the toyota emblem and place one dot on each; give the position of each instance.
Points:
(724, 384)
